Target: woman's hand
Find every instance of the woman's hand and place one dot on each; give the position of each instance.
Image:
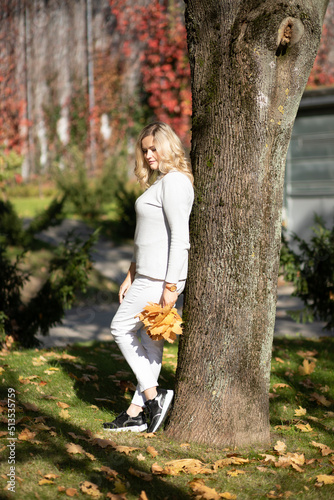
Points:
(168, 297)
(127, 282)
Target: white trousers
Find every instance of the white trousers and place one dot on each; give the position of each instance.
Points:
(144, 358)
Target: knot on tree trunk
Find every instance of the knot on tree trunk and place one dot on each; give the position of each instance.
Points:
(289, 33)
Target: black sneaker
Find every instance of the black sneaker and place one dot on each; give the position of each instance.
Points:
(158, 408)
(126, 423)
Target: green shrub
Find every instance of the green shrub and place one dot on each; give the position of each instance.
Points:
(68, 274)
(312, 272)
(11, 227)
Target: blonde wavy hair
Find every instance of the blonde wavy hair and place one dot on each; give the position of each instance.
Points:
(170, 150)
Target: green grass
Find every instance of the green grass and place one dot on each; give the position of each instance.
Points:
(88, 379)
(29, 207)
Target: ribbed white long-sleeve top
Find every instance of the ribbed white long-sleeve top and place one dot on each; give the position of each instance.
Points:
(161, 241)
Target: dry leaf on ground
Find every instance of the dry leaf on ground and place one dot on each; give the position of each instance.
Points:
(152, 451)
(325, 450)
(320, 399)
(90, 489)
(307, 367)
(124, 449)
(205, 493)
(74, 449)
(145, 476)
(186, 465)
(324, 479)
(304, 427)
(26, 435)
(280, 447)
(300, 412)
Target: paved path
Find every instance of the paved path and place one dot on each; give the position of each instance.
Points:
(92, 322)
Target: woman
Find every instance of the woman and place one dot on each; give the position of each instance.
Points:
(158, 269)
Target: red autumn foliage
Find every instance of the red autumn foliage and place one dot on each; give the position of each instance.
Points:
(164, 62)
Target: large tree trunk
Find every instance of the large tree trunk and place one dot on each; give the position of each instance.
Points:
(250, 61)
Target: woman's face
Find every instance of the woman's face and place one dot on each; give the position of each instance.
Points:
(150, 153)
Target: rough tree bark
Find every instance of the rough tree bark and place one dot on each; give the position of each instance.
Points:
(250, 61)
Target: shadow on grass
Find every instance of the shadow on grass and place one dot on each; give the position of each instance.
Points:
(50, 452)
(314, 391)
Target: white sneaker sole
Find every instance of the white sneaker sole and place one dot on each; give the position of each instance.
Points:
(166, 406)
(132, 428)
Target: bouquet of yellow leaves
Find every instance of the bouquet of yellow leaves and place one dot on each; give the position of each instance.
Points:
(161, 322)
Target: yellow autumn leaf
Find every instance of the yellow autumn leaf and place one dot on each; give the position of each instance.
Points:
(325, 478)
(300, 412)
(307, 367)
(64, 414)
(304, 427)
(325, 450)
(119, 486)
(74, 449)
(71, 492)
(26, 435)
(161, 322)
(45, 481)
(152, 451)
(143, 496)
(90, 489)
(124, 449)
(204, 492)
(235, 472)
(280, 447)
(51, 476)
(62, 405)
(280, 386)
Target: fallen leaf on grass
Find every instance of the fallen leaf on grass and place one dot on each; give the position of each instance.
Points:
(119, 486)
(141, 457)
(325, 450)
(109, 472)
(268, 458)
(102, 443)
(206, 493)
(74, 449)
(45, 481)
(291, 459)
(143, 496)
(235, 472)
(304, 427)
(320, 399)
(324, 479)
(280, 386)
(90, 489)
(279, 360)
(64, 414)
(307, 367)
(141, 474)
(300, 412)
(26, 435)
(62, 405)
(124, 449)
(70, 492)
(229, 461)
(280, 447)
(186, 465)
(90, 456)
(152, 451)
(30, 407)
(51, 476)
(307, 354)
